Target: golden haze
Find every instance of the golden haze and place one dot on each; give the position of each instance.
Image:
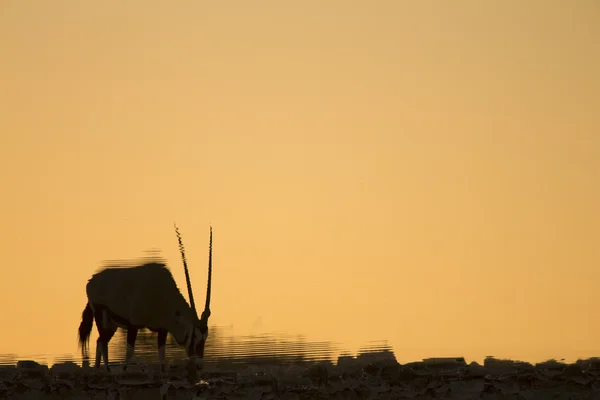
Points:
(422, 172)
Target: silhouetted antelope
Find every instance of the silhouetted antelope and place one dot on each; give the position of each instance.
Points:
(145, 296)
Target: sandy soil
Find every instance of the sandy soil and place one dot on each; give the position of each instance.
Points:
(375, 376)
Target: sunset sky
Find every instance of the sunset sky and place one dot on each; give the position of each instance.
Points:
(422, 172)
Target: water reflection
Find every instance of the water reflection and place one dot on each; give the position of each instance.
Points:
(222, 346)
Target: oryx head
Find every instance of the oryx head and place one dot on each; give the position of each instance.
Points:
(198, 331)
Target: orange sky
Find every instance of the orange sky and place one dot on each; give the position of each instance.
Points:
(422, 172)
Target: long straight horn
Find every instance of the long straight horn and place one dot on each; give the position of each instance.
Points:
(207, 305)
(187, 273)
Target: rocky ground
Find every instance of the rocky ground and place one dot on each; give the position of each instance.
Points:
(366, 377)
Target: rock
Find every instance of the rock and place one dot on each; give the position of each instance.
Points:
(318, 374)
(572, 370)
(7, 372)
(31, 369)
(445, 362)
(377, 357)
(497, 366)
(65, 370)
(135, 378)
(550, 367)
(475, 370)
(590, 364)
(28, 364)
(406, 374)
(346, 361)
(445, 366)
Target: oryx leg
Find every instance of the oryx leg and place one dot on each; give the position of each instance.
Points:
(131, 337)
(162, 341)
(106, 330)
(98, 353)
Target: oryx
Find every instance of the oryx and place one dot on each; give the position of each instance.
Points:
(144, 296)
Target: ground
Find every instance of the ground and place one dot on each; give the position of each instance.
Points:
(369, 376)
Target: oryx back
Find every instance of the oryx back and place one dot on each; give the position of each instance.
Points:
(142, 296)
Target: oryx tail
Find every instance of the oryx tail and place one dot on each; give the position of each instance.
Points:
(85, 329)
